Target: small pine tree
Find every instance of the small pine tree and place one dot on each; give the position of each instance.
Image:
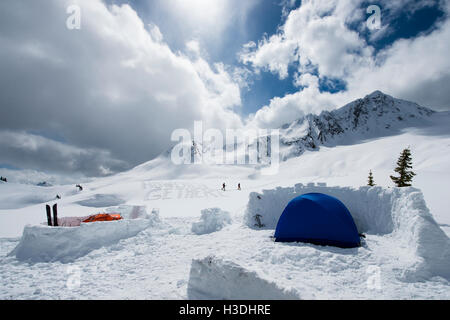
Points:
(404, 166)
(371, 182)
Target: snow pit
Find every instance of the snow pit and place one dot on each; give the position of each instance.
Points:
(101, 201)
(212, 220)
(66, 244)
(134, 212)
(218, 279)
(398, 213)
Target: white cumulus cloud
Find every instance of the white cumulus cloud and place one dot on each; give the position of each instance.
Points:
(316, 39)
(114, 85)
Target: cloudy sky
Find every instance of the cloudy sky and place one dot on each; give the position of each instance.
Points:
(106, 97)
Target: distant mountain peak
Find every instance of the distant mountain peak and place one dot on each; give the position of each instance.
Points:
(373, 116)
(377, 93)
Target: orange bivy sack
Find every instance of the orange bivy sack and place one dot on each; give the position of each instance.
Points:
(103, 217)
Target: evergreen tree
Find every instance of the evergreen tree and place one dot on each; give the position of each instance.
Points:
(404, 166)
(371, 181)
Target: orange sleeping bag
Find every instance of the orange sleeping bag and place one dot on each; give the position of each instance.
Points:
(103, 217)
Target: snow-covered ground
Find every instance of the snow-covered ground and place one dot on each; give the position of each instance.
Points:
(156, 262)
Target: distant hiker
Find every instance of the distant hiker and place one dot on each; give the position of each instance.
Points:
(239, 186)
(80, 188)
(223, 186)
(58, 197)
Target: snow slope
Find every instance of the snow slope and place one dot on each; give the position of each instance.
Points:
(405, 247)
(186, 190)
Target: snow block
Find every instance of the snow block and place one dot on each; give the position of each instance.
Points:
(66, 244)
(213, 278)
(212, 220)
(400, 213)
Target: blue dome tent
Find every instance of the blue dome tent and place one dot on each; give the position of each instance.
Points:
(319, 219)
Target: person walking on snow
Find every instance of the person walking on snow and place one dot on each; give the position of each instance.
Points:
(223, 186)
(239, 186)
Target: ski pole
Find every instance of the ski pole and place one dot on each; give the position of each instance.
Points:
(55, 215)
(49, 215)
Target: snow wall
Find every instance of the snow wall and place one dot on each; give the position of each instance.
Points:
(400, 213)
(212, 220)
(65, 244)
(218, 279)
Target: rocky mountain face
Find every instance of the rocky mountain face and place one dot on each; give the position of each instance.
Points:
(376, 115)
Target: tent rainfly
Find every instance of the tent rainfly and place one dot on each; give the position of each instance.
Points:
(319, 219)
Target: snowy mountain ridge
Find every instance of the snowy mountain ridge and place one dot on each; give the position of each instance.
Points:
(376, 115)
